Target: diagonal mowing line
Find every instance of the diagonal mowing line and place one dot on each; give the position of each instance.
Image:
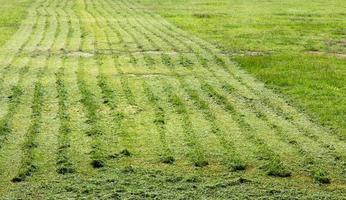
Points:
(335, 155)
(306, 156)
(281, 107)
(305, 127)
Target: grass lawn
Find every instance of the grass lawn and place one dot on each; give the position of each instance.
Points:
(296, 47)
(11, 15)
(107, 99)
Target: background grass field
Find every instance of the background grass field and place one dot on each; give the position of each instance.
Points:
(109, 100)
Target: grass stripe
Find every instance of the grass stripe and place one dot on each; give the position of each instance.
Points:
(93, 114)
(30, 146)
(63, 162)
(160, 122)
(274, 166)
(28, 167)
(293, 119)
(14, 101)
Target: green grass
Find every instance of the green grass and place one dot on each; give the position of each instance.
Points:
(12, 13)
(108, 100)
(295, 47)
(316, 83)
(260, 26)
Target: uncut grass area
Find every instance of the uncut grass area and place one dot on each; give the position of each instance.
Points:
(110, 99)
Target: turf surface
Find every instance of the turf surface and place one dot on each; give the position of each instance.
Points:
(106, 99)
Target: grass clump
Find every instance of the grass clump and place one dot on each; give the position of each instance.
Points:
(238, 166)
(174, 179)
(201, 163)
(65, 170)
(275, 168)
(167, 60)
(202, 15)
(5, 128)
(168, 159)
(97, 164)
(128, 169)
(321, 177)
(30, 169)
(185, 62)
(193, 179)
(125, 152)
(122, 153)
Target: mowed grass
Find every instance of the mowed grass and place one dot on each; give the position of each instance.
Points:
(108, 100)
(296, 47)
(12, 13)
